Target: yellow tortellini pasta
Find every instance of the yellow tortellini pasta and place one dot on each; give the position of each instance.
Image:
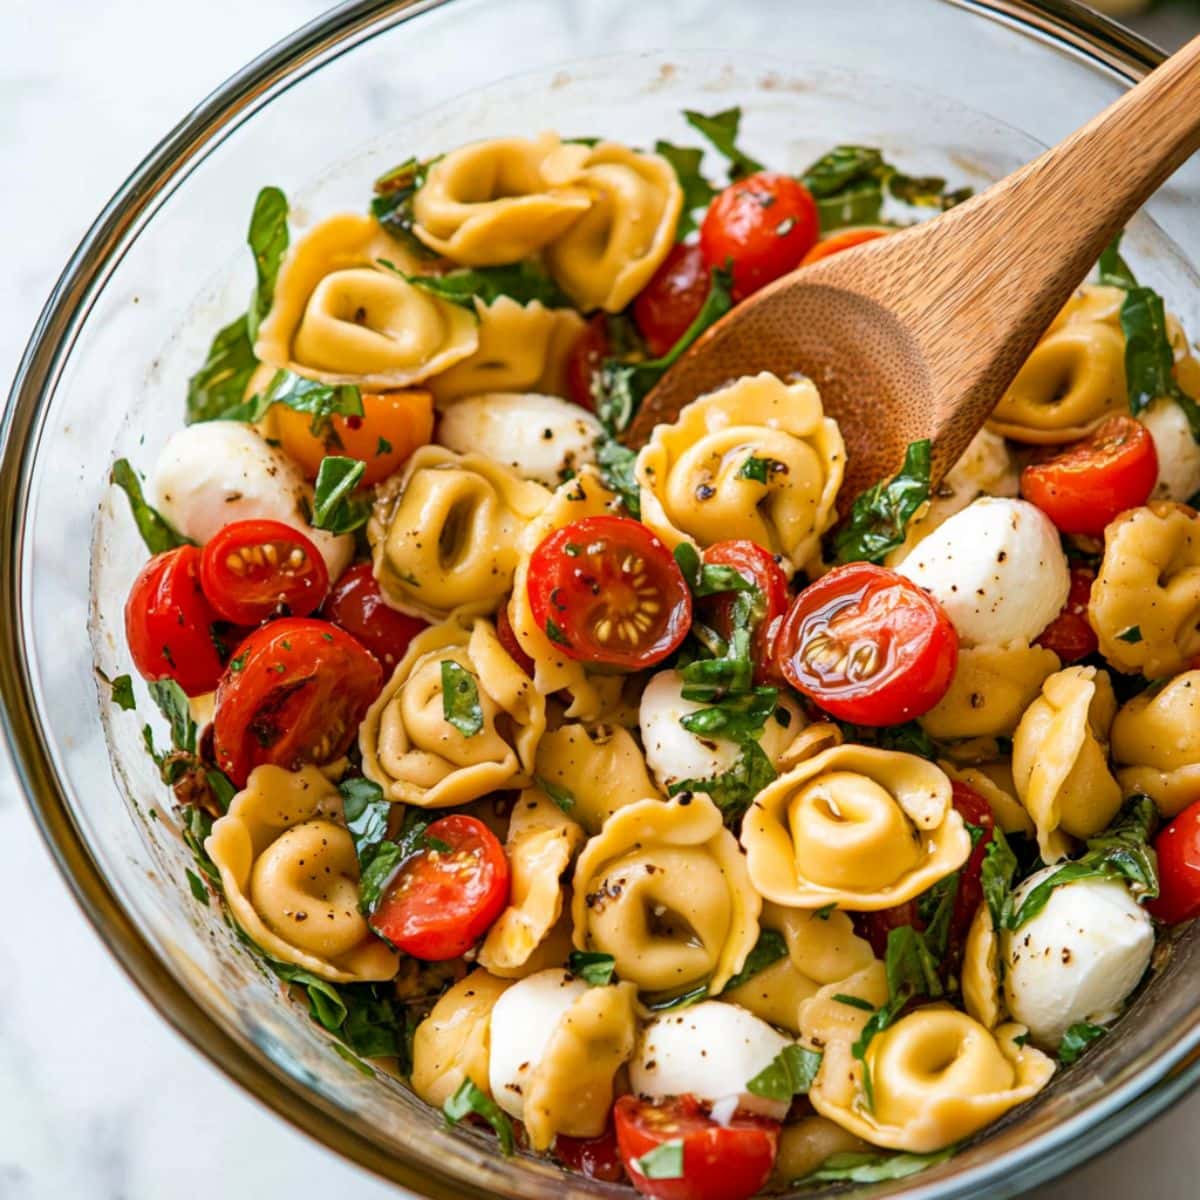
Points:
(1075, 376)
(756, 460)
(980, 975)
(993, 780)
(453, 1042)
(1145, 604)
(522, 348)
(290, 875)
(489, 202)
(1156, 744)
(606, 257)
(937, 1076)
(991, 688)
(542, 841)
(412, 750)
(664, 890)
(1060, 759)
(601, 766)
(444, 532)
(853, 826)
(805, 1144)
(339, 316)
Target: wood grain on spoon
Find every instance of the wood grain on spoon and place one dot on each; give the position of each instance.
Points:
(917, 335)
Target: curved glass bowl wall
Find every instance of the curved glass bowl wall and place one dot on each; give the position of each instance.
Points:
(966, 90)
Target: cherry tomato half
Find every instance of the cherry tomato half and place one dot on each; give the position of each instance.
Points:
(720, 1162)
(1178, 849)
(294, 693)
(606, 590)
(442, 901)
(507, 638)
(673, 298)
(1070, 635)
(974, 810)
(844, 239)
(588, 351)
(594, 1158)
(757, 565)
(1082, 489)
(254, 570)
(168, 623)
(764, 225)
(875, 926)
(868, 645)
(356, 605)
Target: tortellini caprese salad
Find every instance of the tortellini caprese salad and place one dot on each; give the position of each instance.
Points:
(666, 811)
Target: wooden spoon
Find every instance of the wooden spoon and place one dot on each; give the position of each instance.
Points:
(918, 334)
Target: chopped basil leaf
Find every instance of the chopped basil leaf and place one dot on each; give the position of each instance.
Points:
(220, 384)
(460, 699)
(911, 971)
(379, 861)
(936, 908)
(679, 1000)
(997, 872)
(560, 795)
(708, 579)
(335, 507)
(721, 129)
(221, 786)
(156, 532)
(1132, 635)
(199, 891)
(468, 1100)
(383, 446)
(908, 738)
(769, 949)
(524, 282)
(834, 171)
(268, 240)
(239, 663)
(880, 516)
(924, 191)
(322, 400)
(1077, 1039)
(760, 470)
(555, 634)
(365, 809)
(593, 968)
(825, 911)
(872, 1168)
(121, 690)
(665, 1161)
(1114, 270)
(790, 1073)
(616, 470)
(733, 717)
(392, 204)
(733, 791)
(173, 704)
(854, 1002)
(697, 191)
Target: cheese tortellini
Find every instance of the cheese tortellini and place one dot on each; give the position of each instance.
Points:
(290, 876)
(665, 891)
(1156, 744)
(418, 756)
(853, 826)
(1145, 604)
(757, 460)
(340, 316)
(444, 533)
(1060, 759)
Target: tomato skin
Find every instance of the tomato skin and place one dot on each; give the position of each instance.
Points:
(1082, 489)
(875, 926)
(861, 613)
(586, 592)
(757, 565)
(764, 225)
(356, 605)
(974, 810)
(588, 352)
(507, 638)
(440, 903)
(1178, 849)
(673, 298)
(168, 623)
(295, 692)
(844, 239)
(403, 420)
(594, 1158)
(720, 1162)
(1070, 635)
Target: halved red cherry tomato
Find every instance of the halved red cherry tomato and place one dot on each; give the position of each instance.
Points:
(868, 645)
(294, 693)
(844, 239)
(720, 1162)
(875, 926)
(673, 298)
(1069, 635)
(254, 570)
(1178, 849)
(168, 623)
(356, 605)
(442, 901)
(1082, 489)
(764, 225)
(507, 637)
(595, 1158)
(588, 351)
(976, 811)
(606, 590)
(757, 565)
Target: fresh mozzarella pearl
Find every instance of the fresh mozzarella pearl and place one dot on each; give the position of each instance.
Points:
(998, 570)
(541, 437)
(1178, 451)
(673, 754)
(216, 472)
(711, 1050)
(1077, 959)
(523, 1021)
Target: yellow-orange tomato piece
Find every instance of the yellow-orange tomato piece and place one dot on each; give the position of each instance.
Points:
(392, 426)
(843, 240)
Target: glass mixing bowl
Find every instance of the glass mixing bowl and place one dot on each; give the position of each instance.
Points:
(968, 89)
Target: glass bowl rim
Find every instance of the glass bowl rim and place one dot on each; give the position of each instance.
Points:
(165, 168)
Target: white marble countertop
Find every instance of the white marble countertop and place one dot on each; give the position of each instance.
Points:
(99, 1099)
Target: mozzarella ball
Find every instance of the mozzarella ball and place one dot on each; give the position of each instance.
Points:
(523, 1022)
(542, 438)
(1177, 450)
(998, 570)
(711, 1050)
(216, 472)
(673, 754)
(1077, 959)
